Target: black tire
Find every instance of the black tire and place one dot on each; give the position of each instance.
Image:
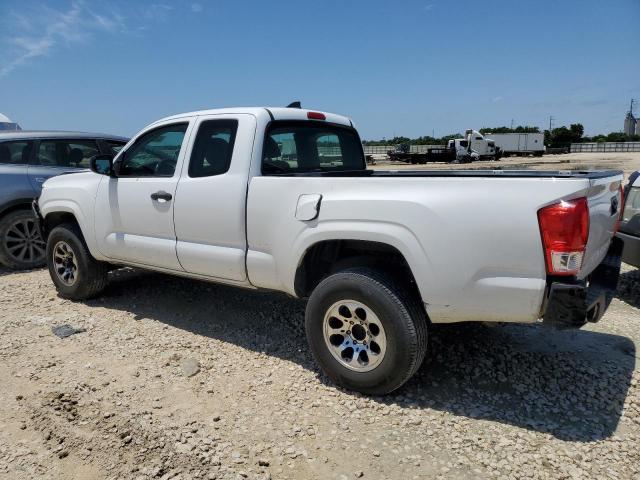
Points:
(400, 313)
(91, 275)
(21, 246)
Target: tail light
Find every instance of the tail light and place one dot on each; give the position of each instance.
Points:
(564, 228)
(316, 116)
(620, 211)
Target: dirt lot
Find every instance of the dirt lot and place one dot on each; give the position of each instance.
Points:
(179, 379)
(627, 162)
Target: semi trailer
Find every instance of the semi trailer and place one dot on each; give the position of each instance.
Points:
(518, 143)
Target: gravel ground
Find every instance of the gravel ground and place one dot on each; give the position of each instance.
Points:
(180, 379)
(172, 378)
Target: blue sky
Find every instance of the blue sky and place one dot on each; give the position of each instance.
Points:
(404, 67)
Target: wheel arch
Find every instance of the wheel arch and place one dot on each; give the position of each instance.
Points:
(64, 212)
(53, 219)
(17, 204)
(326, 257)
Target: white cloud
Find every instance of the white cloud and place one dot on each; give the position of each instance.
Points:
(38, 31)
(496, 99)
(428, 7)
(157, 12)
(197, 7)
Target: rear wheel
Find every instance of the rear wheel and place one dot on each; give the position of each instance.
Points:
(366, 334)
(21, 246)
(75, 273)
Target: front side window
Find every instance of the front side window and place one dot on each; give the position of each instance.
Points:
(631, 216)
(15, 153)
(155, 154)
(213, 148)
(299, 147)
(66, 153)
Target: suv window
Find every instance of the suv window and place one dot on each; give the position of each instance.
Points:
(213, 148)
(66, 153)
(114, 146)
(15, 153)
(154, 154)
(298, 147)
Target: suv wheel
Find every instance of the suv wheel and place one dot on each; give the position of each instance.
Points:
(366, 334)
(21, 246)
(75, 273)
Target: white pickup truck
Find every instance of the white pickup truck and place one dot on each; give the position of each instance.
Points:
(281, 199)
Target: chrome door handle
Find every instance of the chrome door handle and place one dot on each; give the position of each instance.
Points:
(40, 179)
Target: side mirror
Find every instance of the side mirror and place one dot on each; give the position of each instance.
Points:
(102, 164)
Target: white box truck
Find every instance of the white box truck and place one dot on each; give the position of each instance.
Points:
(518, 143)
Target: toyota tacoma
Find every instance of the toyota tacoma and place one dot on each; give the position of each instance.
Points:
(281, 199)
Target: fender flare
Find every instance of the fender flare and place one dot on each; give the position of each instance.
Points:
(392, 234)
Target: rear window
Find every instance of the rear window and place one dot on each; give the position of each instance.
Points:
(299, 147)
(66, 153)
(114, 145)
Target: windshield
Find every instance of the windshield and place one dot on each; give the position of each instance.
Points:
(299, 147)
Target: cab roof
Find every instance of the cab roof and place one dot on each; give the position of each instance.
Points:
(276, 113)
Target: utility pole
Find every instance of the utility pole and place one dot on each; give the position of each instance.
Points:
(512, 124)
(551, 119)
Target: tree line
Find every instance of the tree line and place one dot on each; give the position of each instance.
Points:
(557, 137)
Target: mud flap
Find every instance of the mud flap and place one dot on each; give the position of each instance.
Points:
(572, 305)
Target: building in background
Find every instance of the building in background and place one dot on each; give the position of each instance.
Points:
(7, 124)
(630, 122)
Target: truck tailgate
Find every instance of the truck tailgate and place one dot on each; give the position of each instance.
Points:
(605, 204)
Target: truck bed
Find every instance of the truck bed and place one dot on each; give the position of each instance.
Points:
(580, 174)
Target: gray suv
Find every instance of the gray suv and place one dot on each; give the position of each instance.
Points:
(27, 159)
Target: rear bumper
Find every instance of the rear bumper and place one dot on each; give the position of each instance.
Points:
(572, 304)
(631, 251)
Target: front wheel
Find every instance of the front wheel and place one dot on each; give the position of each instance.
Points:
(75, 273)
(366, 334)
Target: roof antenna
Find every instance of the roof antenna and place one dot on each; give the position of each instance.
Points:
(296, 104)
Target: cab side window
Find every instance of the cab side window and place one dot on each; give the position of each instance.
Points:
(154, 154)
(213, 148)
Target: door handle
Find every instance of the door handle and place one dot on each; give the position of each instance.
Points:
(161, 195)
(40, 179)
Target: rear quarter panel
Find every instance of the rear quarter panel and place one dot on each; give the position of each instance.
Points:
(15, 187)
(473, 244)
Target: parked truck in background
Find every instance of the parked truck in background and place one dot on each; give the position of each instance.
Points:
(473, 147)
(281, 199)
(460, 150)
(6, 124)
(630, 224)
(518, 143)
